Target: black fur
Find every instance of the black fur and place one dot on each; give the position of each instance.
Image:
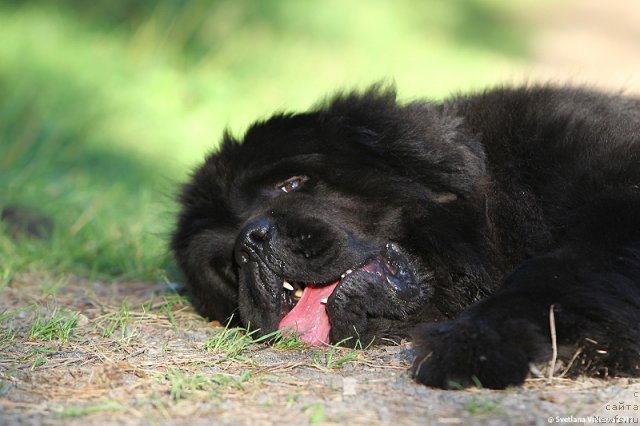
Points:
(497, 206)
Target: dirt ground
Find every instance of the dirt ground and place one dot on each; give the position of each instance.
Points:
(80, 352)
(137, 354)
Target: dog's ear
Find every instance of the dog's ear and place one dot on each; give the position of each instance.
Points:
(441, 150)
(423, 140)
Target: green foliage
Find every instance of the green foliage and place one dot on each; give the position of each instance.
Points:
(182, 384)
(118, 320)
(169, 305)
(7, 333)
(483, 406)
(287, 341)
(231, 342)
(56, 325)
(316, 413)
(85, 410)
(335, 356)
(185, 385)
(37, 356)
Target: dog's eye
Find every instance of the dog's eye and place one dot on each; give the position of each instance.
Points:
(292, 184)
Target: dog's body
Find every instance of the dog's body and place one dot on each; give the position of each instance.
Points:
(473, 219)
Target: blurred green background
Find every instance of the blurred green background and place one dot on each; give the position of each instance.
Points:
(106, 105)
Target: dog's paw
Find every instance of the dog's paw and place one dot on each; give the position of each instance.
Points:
(468, 352)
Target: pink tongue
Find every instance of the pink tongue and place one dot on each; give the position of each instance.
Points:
(309, 317)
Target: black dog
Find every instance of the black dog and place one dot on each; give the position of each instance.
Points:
(465, 223)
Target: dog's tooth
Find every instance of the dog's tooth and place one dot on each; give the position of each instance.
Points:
(343, 275)
(324, 301)
(286, 285)
(298, 293)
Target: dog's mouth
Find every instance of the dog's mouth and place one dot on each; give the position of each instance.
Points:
(304, 307)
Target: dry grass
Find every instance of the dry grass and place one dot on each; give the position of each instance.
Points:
(135, 353)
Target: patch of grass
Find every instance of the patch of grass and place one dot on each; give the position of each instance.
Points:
(183, 385)
(5, 386)
(170, 303)
(230, 343)
(85, 410)
(316, 413)
(232, 381)
(482, 406)
(7, 335)
(38, 356)
(7, 331)
(57, 325)
(336, 357)
(292, 398)
(458, 386)
(125, 318)
(6, 315)
(6, 276)
(52, 286)
(118, 320)
(287, 341)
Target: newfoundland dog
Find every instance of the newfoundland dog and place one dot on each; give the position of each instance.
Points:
(495, 229)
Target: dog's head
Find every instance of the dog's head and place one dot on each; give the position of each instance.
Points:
(341, 222)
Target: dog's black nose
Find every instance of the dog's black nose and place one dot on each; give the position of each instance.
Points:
(255, 234)
(257, 231)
